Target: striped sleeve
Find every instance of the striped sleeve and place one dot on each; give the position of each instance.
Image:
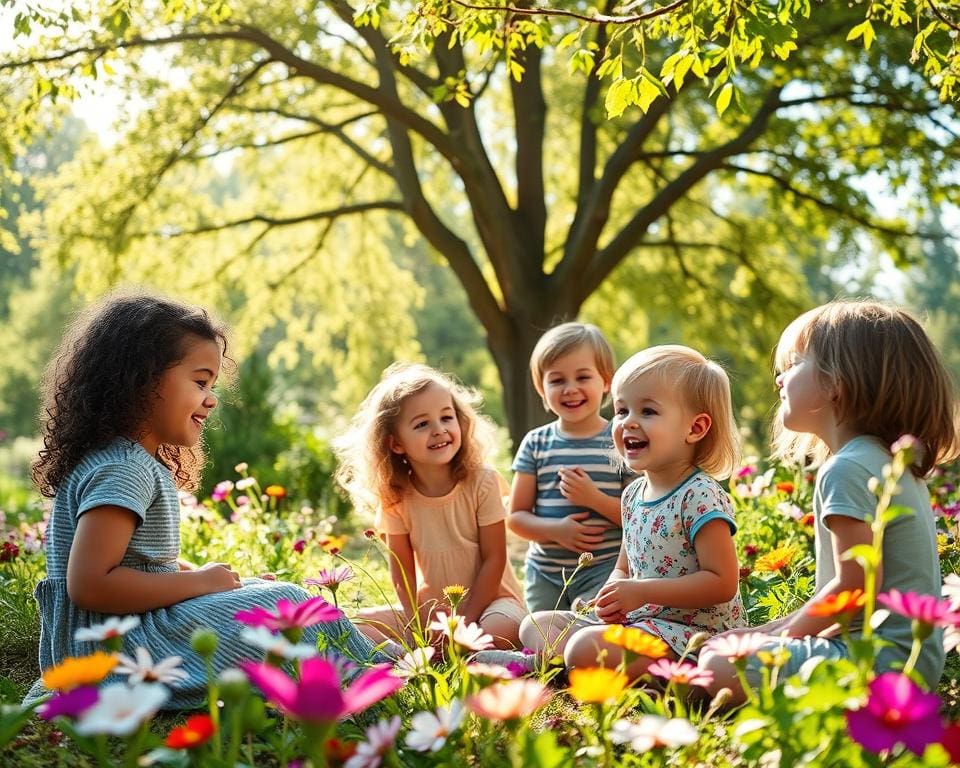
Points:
(118, 483)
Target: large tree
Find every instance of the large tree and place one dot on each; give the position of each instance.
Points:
(526, 189)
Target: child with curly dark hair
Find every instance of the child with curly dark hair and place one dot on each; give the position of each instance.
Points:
(125, 401)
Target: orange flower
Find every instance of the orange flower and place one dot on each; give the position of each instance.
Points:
(848, 601)
(86, 670)
(775, 560)
(194, 733)
(787, 487)
(807, 520)
(275, 491)
(636, 641)
(596, 685)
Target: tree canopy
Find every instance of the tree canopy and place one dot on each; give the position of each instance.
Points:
(274, 160)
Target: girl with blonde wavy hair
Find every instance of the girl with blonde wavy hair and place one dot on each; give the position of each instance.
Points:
(415, 457)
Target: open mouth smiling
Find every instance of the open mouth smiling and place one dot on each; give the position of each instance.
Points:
(438, 446)
(635, 443)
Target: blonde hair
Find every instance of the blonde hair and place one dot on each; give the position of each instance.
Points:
(375, 476)
(562, 340)
(704, 387)
(889, 379)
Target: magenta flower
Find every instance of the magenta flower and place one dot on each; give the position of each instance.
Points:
(299, 545)
(316, 697)
(290, 615)
(897, 711)
(927, 611)
(221, 490)
(746, 471)
(71, 704)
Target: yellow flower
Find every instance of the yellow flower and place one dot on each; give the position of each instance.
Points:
(636, 641)
(85, 670)
(776, 658)
(332, 544)
(596, 685)
(275, 491)
(454, 594)
(775, 560)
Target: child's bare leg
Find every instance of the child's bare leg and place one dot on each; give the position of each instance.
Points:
(504, 630)
(549, 631)
(587, 648)
(383, 622)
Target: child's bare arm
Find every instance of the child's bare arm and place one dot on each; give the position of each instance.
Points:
(97, 582)
(578, 488)
(569, 532)
(716, 582)
(403, 571)
(493, 560)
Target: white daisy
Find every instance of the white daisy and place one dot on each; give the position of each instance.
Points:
(429, 730)
(143, 670)
(115, 626)
(472, 636)
(122, 709)
(277, 645)
(417, 662)
(653, 731)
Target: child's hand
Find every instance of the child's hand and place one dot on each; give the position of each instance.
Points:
(617, 598)
(570, 533)
(577, 487)
(218, 577)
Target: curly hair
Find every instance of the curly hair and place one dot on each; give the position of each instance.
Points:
(102, 381)
(375, 476)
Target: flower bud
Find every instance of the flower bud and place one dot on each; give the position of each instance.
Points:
(233, 685)
(585, 559)
(723, 696)
(695, 642)
(204, 641)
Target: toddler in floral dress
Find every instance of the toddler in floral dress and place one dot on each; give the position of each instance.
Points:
(677, 572)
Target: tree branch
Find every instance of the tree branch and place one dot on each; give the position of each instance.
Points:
(606, 259)
(597, 18)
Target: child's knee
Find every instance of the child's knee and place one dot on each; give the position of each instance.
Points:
(583, 650)
(504, 630)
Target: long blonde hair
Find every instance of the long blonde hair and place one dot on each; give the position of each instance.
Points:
(889, 378)
(704, 388)
(375, 476)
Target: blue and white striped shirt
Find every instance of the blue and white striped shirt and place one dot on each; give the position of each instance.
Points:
(542, 453)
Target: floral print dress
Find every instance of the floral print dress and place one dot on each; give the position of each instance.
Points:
(658, 537)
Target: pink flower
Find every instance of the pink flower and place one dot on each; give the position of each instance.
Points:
(316, 697)
(290, 615)
(299, 545)
(681, 672)
(928, 611)
(746, 471)
(221, 490)
(735, 647)
(510, 700)
(331, 578)
(380, 738)
(896, 711)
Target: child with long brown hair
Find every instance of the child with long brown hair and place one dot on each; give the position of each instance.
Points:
(854, 377)
(415, 457)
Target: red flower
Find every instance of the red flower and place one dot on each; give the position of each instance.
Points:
(786, 487)
(807, 519)
(951, 742)
(8, 552)
(195, 732)
(299, 545)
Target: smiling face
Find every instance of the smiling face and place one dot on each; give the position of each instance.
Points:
(427, 432)
(653, 429)
(184, 397)
(573, 388)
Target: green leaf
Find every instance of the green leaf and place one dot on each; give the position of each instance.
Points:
(723, 100)
(864, 30)
(864, 554)
(619, 97)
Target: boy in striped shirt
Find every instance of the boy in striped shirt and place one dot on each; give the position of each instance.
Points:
(565, 497)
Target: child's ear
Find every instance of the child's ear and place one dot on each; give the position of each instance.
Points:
(699, 427)
(606, 385)
(394, 445)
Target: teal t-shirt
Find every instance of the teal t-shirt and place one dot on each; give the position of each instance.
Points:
(910, 561)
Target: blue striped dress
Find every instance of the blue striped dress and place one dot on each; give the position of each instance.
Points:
(125, 475)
